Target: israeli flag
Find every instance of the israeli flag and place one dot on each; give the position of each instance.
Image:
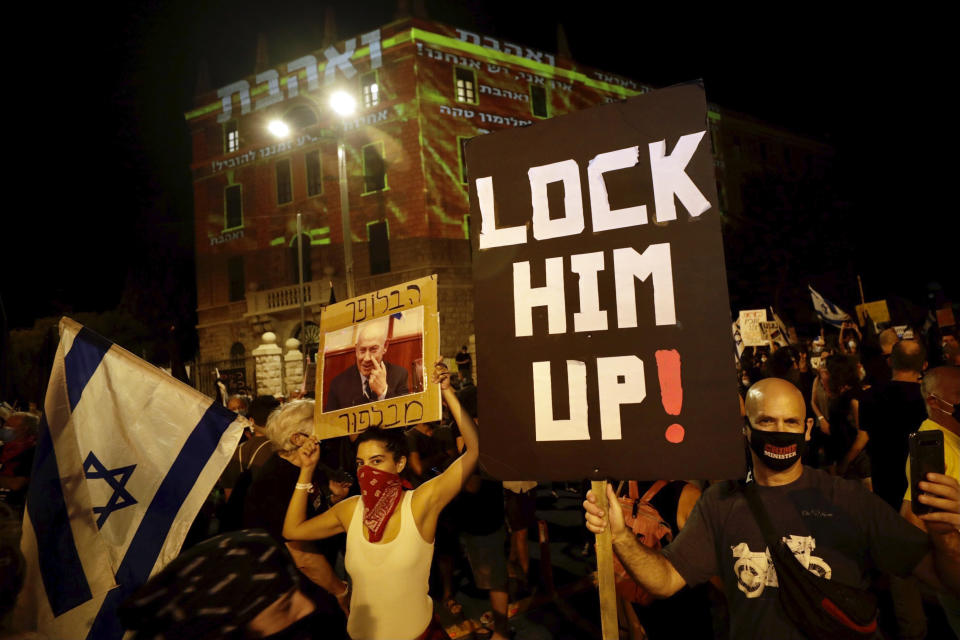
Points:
(126, 456)
(828, 312)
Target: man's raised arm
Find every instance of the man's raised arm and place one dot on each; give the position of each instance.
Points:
(647, 567)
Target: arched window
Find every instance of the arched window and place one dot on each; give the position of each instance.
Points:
(307, 272)
(237, 353)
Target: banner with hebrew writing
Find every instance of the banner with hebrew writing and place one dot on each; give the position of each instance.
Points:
(603, 322)
(375, 355)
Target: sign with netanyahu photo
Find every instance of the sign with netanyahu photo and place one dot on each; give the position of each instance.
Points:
(375, 355)
(601, 308)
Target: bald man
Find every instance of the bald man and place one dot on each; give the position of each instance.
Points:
(372, 378)
(835, 527)
(941, 392)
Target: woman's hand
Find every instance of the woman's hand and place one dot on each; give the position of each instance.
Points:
(308, 455)
(440, 375)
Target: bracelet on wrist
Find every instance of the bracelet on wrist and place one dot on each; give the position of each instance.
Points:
(307, 486)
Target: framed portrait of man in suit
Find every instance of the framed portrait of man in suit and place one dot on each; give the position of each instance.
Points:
(374, 359)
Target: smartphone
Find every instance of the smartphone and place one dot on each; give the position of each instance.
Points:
(926, 456)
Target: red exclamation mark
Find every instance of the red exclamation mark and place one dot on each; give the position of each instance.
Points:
(671, 390)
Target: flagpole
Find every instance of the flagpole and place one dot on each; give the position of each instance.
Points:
(860, 284)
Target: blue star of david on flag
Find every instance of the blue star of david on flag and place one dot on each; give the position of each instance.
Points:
(100, 398)
(117, 479)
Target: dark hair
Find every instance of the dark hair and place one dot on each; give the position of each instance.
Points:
(843, 372)
(260, 409)
(908, 355)
(782, 361)
(393, 440)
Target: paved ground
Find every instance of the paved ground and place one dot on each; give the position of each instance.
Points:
(573, 613)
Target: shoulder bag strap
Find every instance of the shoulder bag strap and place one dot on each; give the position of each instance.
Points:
(653, 490)
(254, 456)
(760, 515)
(240, 455)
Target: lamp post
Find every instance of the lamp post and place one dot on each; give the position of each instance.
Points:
(343, 104)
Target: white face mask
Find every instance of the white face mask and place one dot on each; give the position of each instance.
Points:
(852, 345)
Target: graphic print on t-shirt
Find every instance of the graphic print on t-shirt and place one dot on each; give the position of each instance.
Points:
(755, 570)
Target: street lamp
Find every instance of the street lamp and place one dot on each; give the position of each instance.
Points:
(344, 105)
(278, 128)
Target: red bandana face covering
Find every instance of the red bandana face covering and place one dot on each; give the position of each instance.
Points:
(381, 492)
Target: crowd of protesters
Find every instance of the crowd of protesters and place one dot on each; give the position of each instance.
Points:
(345, 538)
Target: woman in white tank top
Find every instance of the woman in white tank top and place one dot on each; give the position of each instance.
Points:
(389, 534)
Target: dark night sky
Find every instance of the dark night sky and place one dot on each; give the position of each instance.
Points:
(100, 98)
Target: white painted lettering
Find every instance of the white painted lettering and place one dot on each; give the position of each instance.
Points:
(614, 393)
(670, 177)
(548, 429)
(490, 235)
(590, 317)
(526, 297)
(628, 265)
(571, 223)
(604, 218)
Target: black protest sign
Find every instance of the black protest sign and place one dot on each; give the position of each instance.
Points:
(601, 305)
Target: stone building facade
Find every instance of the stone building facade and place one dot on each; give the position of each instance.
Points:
(423, 90)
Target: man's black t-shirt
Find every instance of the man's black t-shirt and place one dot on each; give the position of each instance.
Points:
(835, 527)
(433, 455)
(889, 413)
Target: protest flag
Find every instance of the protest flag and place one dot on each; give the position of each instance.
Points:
(828, 312)
(125, 457)
(784, 331)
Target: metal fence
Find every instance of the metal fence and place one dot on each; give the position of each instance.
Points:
(239, 375)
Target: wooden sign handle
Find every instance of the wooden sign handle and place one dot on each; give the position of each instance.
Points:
(608, 594)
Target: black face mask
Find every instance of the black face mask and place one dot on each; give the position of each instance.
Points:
(777, 450)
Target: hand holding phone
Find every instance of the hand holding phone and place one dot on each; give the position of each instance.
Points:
(926, 456)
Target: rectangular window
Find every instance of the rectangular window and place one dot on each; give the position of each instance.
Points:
(233, 204)
(378, 235)
(314, 174)
(538, 101)
(236, 277)
(284, 182)
(466, 84)
(370, 89)
(374, 168)
(231, 137)
(462, 150)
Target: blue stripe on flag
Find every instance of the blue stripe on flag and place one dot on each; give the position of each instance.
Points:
(60, 568)
(85, 355)
(152, 533)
